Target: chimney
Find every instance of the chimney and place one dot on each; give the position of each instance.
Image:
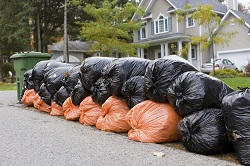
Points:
(232, 4)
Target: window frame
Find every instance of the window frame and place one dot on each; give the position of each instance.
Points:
(141, 37)
(195, 49)
(187, 23)
(157, 24)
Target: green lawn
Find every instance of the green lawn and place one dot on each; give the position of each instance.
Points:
(7, 86)
(237, 82)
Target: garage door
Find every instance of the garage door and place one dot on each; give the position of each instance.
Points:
(239, 58)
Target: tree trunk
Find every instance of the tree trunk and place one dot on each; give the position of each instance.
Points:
(66, 50)
(213, 58)
(39, 45)
(1, 65)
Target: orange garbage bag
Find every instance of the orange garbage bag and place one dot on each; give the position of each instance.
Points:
(56, 110)
(40, 104)
(71, 111)
(28, 97)
(153, 123)
(113, 115)
(90, 112)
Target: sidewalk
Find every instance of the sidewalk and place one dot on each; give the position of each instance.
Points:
(29, 137)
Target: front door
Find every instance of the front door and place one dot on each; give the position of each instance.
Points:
(157, 53)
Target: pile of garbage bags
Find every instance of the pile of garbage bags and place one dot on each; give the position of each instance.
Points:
(156, 101)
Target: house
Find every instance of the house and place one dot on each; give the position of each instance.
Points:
(78, 51)
(164, 35)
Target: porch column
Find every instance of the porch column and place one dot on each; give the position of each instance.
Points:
(166, 49)
(142, 52)
(162, 50)
(179, 47)
(139, 52)
(190, 53)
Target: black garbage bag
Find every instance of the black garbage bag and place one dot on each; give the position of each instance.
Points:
(27, 82)
(54, 64)
(120, 70)
(194, 91)
(79, 93)
(61, 95)
(44, 94)
(161, 73)
(236, 112)
(204, 132)
(133, 91)
(38, 74)
(91, 70)
(53, 78)
(101, 91)
(70, 81)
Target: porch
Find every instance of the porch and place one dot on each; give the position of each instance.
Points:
(181, 48)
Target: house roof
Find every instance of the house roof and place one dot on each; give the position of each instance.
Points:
(244, 16)
(217, 6)
(74, 46)
(165, 37)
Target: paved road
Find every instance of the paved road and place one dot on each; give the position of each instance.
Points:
(32, 138)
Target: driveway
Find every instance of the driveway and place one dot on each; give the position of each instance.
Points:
(31, 138)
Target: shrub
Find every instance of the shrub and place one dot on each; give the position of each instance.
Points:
(225, 73)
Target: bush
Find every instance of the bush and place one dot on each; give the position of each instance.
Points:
(225, 73)
(247, 69)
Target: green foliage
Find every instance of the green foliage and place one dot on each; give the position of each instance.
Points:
(111, 29)
(6, 67)
(237, 82)
(205, 16)
(225, 73)
(184, 51)
(247, 68)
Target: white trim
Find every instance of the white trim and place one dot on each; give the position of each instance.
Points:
(140, 4)
(146, 35)
(249, 34)
(171, 4)
(148, 5)
(148, 17)
(170, 11)
(200, 29)
(227, 14)
(195, 47)
(234, 51)
(164, 26)
(218, 12)
(187, 17)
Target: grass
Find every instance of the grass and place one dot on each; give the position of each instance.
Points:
(236, 82)
(7, 86)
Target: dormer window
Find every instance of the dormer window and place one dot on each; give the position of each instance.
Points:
(190, 21)
(161, 25)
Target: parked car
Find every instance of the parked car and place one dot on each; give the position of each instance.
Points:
(219, 64)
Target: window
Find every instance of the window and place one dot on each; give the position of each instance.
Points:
(143, 33)
(190, 22)
(194, 52)
(161, 25)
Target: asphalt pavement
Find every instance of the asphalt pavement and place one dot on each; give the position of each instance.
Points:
(32, 138)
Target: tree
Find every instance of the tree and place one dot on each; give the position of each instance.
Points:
(209, 20)
(111, 29)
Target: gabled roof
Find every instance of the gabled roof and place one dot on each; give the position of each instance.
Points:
(239, 15)
(244, 16)
(217, 6)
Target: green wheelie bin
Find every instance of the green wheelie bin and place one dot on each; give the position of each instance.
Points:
(23, 62)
